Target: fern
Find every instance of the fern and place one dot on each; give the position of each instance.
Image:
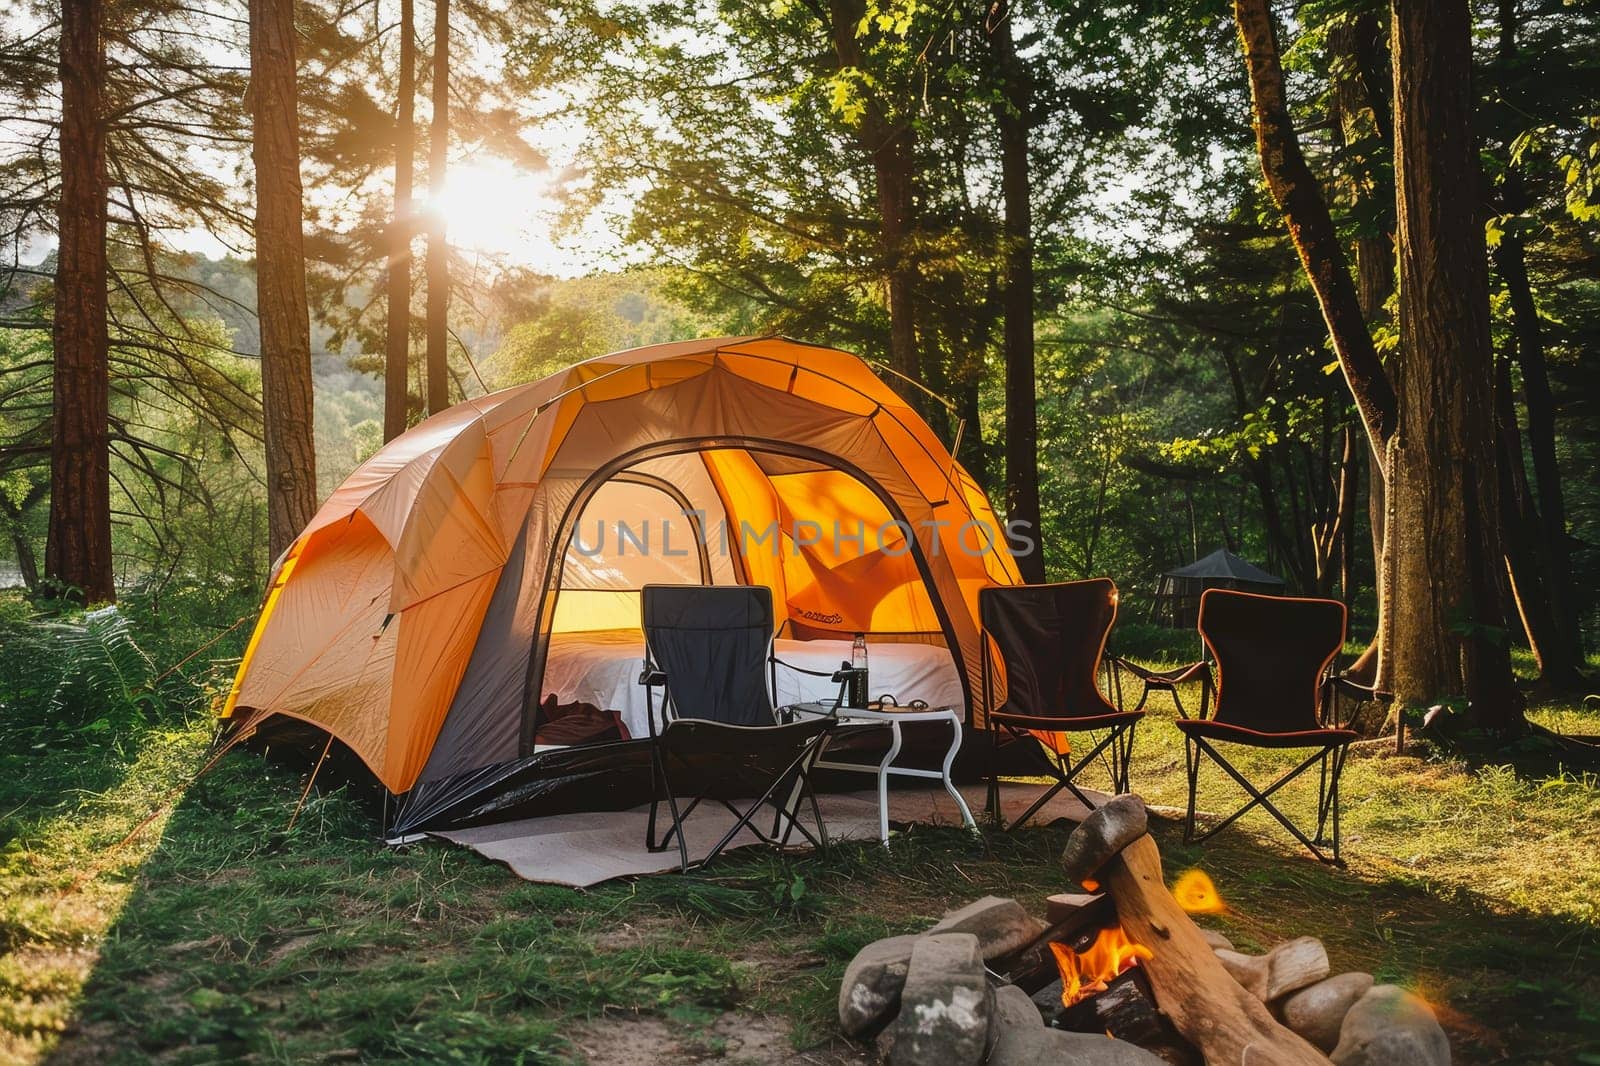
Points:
(105, 676)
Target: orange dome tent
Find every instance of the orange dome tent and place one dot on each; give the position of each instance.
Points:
(412, 619)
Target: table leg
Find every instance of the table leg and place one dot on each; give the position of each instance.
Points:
(949, 786)
(883, 783)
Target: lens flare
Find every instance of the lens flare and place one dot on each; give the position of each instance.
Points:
(1196, 893)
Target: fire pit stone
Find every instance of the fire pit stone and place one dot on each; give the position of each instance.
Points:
(1120, 976)
(1112, 826)
(945, 1005)
(1317, 1011)
(870, 992)
(1002, 926)
(1391, 1027)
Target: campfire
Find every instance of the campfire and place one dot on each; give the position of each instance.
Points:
(1088, 972)
(1122, 958)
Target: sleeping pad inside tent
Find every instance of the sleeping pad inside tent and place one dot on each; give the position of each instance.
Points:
(463, 612)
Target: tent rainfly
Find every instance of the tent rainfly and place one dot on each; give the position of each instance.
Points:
(1177, 602)
(413, 618)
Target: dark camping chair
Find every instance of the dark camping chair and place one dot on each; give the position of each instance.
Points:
(1274, 689)
(1051, 641)
(719, 738)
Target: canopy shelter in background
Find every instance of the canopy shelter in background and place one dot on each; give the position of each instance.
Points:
(1177, 601)
(413, 618)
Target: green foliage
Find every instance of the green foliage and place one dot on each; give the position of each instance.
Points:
(566, 322)
(90, 678)
(106, 675)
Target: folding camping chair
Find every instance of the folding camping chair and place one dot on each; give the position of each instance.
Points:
(1051, 641)
(710, 650)
(1274, 689)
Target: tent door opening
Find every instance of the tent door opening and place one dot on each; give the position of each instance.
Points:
(587, 643)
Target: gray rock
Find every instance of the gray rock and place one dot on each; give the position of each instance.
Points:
(1316, 1012)
(1012, 1010)
(1012, 1007)
(1112, 826)
(1215, 940)
(1391, 1027)
(1002, 926)
(869, 995)
(945, 1005)
(1052, 1047)
(1048, 1001)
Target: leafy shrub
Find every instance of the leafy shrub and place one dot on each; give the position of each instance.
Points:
(103, 681)
(106, 672)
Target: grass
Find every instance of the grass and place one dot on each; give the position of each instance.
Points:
(215, 935)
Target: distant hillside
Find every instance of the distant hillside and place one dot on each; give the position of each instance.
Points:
(567, 321)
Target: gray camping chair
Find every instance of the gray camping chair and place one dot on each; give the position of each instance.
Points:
(719, 738)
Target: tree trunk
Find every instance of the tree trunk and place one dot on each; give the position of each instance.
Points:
(1331, 533)
(15, 516)
(1367, 669)
(397, 361)
(1530, 596)
(1259, 469)
(438, 264)
(1449, 637)
(1361, 96)
(281, 275)
(890, 147)
(1297, 195)
(78, 547)
(1563, 655)
(1012, 113)
(973, 453)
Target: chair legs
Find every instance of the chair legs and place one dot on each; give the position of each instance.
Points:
(993, 799)
(783, 794)
(1330, 765)
(1117, 745)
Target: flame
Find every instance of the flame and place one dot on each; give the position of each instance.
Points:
(1085, 974)
(1196, 894)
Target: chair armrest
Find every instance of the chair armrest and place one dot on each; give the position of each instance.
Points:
(1177, 675)
(1166, 679)
(1345, 687)
(1337, 685)
(652, 675)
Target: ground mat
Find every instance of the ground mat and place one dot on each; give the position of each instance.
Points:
(587, 848)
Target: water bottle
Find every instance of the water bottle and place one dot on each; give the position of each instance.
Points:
(858, 665)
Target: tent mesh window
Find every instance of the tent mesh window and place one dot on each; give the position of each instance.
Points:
(1177, 600)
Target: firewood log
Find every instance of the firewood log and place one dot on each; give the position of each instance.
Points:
(1208, 1007)
(1287, 968)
